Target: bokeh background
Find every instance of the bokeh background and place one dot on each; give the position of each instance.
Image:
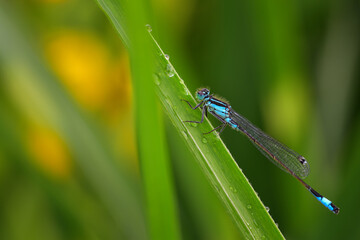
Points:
(68, 158)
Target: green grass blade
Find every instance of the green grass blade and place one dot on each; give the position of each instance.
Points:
(154, 162)
(231, 185)
(115, 11)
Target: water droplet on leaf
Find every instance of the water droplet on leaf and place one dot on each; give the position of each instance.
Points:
(233, 189)
(148, 27)
(170, 70)
(157, 79)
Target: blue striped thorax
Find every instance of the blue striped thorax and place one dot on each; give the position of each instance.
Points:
(216, 107)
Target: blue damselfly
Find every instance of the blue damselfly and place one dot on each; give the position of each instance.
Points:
(282, 156)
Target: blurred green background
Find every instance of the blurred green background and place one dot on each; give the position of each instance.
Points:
(68, 156)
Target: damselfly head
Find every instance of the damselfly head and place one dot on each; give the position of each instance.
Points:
(202, 93)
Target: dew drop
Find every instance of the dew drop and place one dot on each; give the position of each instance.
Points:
(263, 237)
(277, 225)
(157, 79)
(255, 223)
(167, 57)
(233, 189)
(184, 134)
(186, 91)
(169, 70)
(204, 140)
(148, 27)
(194, 124)
(249, 206)
(267, 209)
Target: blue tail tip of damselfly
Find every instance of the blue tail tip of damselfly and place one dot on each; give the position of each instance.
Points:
(335, 209)
(326, 202)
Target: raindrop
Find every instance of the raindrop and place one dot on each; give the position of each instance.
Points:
(148, 27)
(233, 189)
(170, 70)
(186, 91)
(184, 134)
(157, 79)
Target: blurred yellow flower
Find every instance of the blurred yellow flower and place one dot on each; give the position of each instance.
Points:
(82, 63)
(49, 151)
(99, 80)
(119, 91)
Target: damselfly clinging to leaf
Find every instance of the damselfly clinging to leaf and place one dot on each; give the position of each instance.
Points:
(282, 156)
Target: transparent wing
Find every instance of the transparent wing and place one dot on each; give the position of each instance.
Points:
(282, 156)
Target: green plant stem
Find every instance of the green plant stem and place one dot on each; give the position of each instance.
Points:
(154, 162)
